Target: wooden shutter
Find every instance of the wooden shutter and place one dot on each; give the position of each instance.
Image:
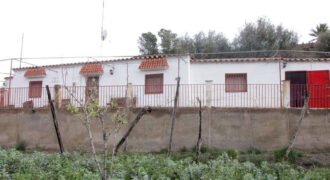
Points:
(154, 84)
(35, 89)
(236, 82)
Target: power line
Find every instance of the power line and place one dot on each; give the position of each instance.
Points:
(6, 59)
(70, 57)
(260, 51)
(132, 56)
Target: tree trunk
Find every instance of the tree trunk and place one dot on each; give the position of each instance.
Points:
(91, 142)
(105, 147)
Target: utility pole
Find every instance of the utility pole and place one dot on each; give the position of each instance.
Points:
(10, 76)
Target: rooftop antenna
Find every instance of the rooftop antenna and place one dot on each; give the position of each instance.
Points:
(20, 59)
(104, 32)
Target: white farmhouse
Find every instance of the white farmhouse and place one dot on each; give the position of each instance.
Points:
(150, 80)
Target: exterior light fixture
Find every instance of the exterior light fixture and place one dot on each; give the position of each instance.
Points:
(112, 71)
(284, 64)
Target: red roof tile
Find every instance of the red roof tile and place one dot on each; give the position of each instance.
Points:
(154, 63)
(102, 60)
(95, 68)
(35, 72)
(9, 77)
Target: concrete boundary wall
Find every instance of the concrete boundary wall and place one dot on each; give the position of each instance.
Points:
(242, 129)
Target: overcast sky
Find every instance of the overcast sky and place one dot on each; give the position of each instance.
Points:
(72, 27)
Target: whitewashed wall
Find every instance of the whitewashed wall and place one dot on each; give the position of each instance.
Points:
(257, 72)
(263, 79)
(123, 71)
(305, 66)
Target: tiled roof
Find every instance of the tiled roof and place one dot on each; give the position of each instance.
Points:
(220, 60)
(193, 60)
(9, 77)
(95, 68)
(153, 63)
(101, 60)
(35, 72)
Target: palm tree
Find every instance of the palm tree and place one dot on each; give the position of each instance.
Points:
(321, 28)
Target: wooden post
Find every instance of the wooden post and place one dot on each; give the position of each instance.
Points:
(208, 84)
(285, 94)
(58, 96)
(9, 87)
(136, 120)
(199, 141)
(302, 116)
(52, 108)
(174, 114)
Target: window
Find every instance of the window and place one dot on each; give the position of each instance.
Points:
(35, 89)
(236, 82)
(154, 84)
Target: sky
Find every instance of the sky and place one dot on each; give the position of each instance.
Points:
(67, 28)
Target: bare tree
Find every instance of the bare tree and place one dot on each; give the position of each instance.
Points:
(91, 110)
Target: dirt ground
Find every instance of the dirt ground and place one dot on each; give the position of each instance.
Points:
(308, 160)
(312, 160)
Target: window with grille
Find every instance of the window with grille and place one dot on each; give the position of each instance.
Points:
(154, 84)
(35, 89)
(236, 82)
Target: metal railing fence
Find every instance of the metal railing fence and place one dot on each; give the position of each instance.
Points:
(213, 95)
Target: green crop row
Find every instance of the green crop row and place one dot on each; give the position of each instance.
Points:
(39, 165)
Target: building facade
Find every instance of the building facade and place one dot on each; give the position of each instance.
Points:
(150, 80)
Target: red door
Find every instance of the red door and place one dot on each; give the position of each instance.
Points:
(318, 83)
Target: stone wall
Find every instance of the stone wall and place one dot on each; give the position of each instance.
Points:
(242, 129)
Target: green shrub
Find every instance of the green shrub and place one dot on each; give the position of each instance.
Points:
(163, 150)
(234, 154)
(183, 150)
(279, 155)
(21, 146)
(203, 149)
(38, 165)
(253, 151)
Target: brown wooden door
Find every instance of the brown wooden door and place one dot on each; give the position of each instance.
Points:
(298, 87)
(2, 97)
(92, 88)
